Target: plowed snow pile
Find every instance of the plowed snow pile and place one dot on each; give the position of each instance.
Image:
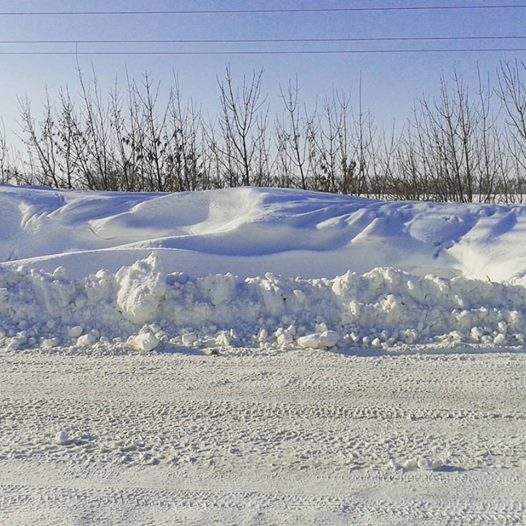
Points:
(382, 308)
(94, 268)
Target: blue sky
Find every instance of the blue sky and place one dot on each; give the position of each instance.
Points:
(391, 82)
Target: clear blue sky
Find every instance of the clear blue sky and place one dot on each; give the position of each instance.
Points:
(391, 82)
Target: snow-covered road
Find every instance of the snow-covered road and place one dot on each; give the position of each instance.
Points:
(303, 437)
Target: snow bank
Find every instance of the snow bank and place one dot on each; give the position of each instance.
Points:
(151, 305)
(252, 231)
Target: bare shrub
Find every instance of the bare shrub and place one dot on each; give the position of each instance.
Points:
(466, 144)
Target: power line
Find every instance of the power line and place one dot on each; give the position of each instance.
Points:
(267, 40)
(266, 11)
(265, 52)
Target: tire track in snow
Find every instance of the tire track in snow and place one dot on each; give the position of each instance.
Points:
(160, 439)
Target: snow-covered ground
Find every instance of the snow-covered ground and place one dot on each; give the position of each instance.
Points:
(298, 438)
(260, 356)
(251, 231)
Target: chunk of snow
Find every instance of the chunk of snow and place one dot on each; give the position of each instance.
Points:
(423, 463)
(476, 333)
(15, 344)
(499, 339)
(223, 339)
(140, 290)
(502, 327)
(429, 463)
(263, 335)
(188, 338)
(218, 288)
(75, 332)
(321, 327)
(143, 342)
(86, 340)
(321, 340)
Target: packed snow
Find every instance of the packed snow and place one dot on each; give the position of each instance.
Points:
(146, 305)
(302, 438)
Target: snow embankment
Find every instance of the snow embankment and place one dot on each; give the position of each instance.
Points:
(251, 231)
(147, 305)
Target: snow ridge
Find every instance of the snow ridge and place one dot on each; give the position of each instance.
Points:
(251, 231)
(149, 305)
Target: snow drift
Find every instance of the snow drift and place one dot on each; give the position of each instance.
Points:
(150, 305)
(251, 231)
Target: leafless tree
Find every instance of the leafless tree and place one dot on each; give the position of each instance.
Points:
(292, 134)
(466, 144)
(512, 91)
(241, 131)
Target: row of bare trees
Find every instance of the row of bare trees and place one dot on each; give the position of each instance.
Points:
(467, 143)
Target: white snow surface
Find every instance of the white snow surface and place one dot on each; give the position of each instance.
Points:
(258, 356)
(381, 308)
(251, 231)
(169, 292)
(301, 438)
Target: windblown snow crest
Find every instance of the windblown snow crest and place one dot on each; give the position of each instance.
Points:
(251, 231)
(150, 307)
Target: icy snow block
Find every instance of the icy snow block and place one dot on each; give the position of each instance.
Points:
(322, 340)
(144, 342)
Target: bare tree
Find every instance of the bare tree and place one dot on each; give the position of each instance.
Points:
(512, 91)
(293, 133)
(40, 142)
(463, 145)
(446, 131)
(239, 122)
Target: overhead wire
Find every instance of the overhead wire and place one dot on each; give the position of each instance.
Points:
(267, 52)
(263, 40)
(439, 7)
